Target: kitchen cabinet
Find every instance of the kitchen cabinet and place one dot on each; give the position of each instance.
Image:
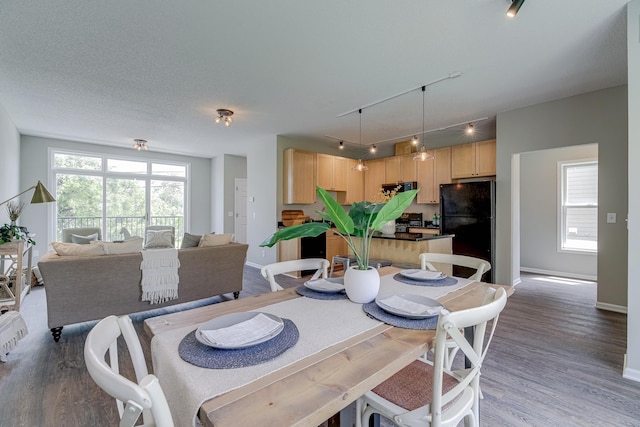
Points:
(331, 172)
(432, 173)
(299, 178)
(400, 169)
(355, 185)
(474, 159)
(374, 177)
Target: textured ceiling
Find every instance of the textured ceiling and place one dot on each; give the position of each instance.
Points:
(111, 71)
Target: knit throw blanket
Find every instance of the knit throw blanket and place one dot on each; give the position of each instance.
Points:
(159, 275)
(12, 329)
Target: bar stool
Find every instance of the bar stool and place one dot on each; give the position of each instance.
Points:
(345, 260)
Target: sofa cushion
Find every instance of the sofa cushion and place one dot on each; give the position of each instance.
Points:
(75, 249)
(190, 240)
(215, 239)
(159, 239)
(127, 247)
(83, 240)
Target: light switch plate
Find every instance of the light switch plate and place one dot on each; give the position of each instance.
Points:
(611, 218)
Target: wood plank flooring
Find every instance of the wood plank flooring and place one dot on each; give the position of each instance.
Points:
(555, 361)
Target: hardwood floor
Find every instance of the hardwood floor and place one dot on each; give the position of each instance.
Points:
(555, 361)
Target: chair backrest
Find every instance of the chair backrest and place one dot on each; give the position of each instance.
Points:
(163, 227)
(143, 396)
(481, 266)
(269, 271)
(67, 233)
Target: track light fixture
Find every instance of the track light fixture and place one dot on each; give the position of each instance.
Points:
(224, 115)
(514, 8)
(341, 145)
(470, 129)
(140, 144)
(414, 140)
(373, 149)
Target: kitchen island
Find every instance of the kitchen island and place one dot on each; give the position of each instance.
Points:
(404, 248)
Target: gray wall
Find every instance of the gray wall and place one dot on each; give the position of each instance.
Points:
(539, 185)
(632, 368)
(234, 167)
(597, 117)
(35, 166)
(9, 162)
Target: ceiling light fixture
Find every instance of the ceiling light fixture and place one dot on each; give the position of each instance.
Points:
(414, 141)
(514, 8)
(360, 167)
(341, 146)
(423, 155)
(470, 129)
(224, 115)
(373, 149)
(140, 144)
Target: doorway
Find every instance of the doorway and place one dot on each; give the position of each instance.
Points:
(240, 208)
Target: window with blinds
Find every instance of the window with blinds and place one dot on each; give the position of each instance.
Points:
(579, 206)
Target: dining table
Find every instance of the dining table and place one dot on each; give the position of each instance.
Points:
(341, 350)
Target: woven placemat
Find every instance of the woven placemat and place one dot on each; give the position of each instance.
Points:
(376, 312)
(447, 281)
(196, 353)
(310, 293)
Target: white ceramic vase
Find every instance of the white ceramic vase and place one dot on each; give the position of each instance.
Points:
(362, 286)
(389, 228)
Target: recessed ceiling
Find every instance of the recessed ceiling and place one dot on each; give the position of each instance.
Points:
(109, 72)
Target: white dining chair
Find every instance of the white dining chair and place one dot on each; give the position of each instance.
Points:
(132, 398)
(427, 394)
(271, 270)
(481, 266)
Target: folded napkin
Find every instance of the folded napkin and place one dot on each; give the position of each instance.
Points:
(424, 274)
(325, 285)
(410, 307)
(241, 333)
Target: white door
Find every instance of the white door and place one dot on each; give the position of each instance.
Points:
(240, 220)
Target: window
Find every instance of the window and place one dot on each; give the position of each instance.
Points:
(118, 194)
(579, 206)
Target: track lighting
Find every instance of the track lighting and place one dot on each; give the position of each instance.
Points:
(414, 141)
(373, 149)
(470, 129)
(224, 115)
(341, 146)
(514, 8)
(140, 144)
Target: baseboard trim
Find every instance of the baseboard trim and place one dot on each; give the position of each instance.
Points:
(516, 281)
(611, 307)
(253, 264)
(559, 273)
(628, 373)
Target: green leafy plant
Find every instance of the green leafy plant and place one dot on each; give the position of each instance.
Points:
(362, 220)
(14, 232)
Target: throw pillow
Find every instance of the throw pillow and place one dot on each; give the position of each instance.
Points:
(190, 240)
(215, 239)
(83, 240)
(75, 249)
(127, 247)
(159, 239)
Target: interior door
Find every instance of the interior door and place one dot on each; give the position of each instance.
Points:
(240, 219)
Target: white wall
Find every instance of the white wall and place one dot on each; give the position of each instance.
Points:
(632, 368)
(217, 194)
(234, 167)
(9, 161)
(539, 230)
(34, 166)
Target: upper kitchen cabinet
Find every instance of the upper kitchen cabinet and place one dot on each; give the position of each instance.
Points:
(299, 177)
(474, 159)
(400, 169)
(331, 172)
(374, 177)
(355, 185)
(432, 173)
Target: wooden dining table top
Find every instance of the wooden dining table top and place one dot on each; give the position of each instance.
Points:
(313, 389)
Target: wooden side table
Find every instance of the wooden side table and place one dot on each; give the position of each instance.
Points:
(12, 256)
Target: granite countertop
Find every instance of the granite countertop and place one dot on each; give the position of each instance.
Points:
(413, 237)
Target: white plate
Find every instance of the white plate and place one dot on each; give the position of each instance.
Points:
(418, 299)
(419, 274)
(329, 286)
(229, 320)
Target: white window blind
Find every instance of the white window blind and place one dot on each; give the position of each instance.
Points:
(579, 206)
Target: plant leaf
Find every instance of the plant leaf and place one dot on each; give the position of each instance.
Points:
(393, 208)
(311, 229)
(341, 220)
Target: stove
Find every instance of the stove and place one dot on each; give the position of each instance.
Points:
(408, 220)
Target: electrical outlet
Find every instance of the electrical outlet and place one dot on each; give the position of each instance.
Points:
(611, 218)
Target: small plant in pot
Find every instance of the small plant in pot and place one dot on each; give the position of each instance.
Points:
(11, 232)
(362, 220)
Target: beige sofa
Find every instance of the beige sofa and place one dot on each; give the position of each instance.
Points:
(85, 288)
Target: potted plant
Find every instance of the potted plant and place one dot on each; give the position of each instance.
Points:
(10, 232)
(363, 219)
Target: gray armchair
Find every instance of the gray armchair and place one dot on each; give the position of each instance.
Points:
(68, 234)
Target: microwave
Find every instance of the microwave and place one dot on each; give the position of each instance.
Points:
(404, 186)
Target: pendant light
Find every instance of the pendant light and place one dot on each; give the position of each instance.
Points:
(422, 155)
(360, 167)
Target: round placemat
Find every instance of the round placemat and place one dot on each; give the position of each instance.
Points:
(310, 293)
(447, 281)
(196, 353)
(376, 312)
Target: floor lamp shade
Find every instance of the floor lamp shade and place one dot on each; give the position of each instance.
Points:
(41, 194)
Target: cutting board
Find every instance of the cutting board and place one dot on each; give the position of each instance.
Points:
(293, 217)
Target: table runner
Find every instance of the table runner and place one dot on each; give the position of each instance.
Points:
(321, 324)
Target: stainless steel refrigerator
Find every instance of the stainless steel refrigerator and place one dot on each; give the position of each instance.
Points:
(467, 210)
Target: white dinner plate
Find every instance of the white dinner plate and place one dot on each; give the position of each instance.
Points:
(431, 306)
(329, 286)
(419, 274)
(232, 319)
